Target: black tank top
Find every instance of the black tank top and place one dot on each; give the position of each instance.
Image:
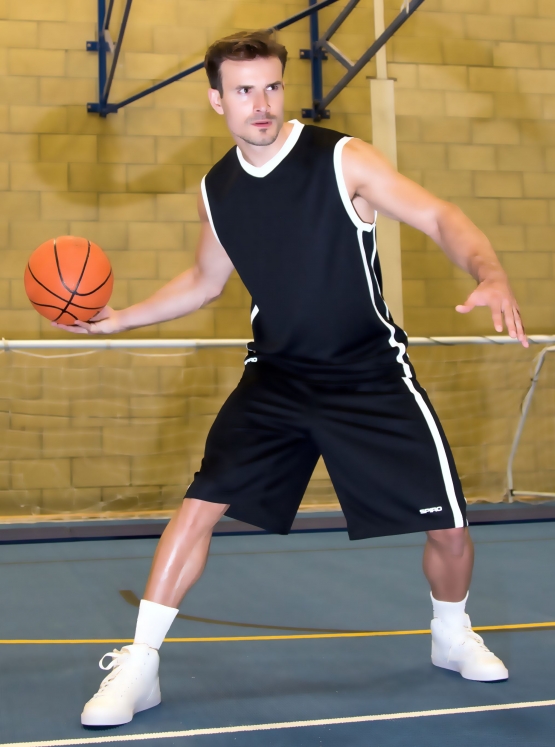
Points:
(307, 259)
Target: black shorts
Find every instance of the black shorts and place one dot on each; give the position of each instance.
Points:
(381, 441)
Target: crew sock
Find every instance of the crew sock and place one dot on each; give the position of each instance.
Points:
(450, 613)
(153, 623)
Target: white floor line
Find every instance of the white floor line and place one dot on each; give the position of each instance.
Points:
(280, 725)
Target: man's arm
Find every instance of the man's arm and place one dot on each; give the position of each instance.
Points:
(371, 179)
(188, 292)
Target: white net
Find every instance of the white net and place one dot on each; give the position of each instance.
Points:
(478, 391)
(119, 433)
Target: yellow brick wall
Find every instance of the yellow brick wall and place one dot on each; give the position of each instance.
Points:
(475, 105)
(129, 181)
(475, 99)
(120, 432)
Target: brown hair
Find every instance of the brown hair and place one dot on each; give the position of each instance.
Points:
(245, 45)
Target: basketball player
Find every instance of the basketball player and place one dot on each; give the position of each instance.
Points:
(292, 208)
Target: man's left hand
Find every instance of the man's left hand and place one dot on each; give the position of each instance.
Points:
(497, 294)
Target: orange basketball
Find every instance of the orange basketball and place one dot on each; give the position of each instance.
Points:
(68, 278)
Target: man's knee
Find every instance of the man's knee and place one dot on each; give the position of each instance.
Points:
(452, 541)
(198, 516)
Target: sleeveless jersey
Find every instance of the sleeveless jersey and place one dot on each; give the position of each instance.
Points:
(307, 259)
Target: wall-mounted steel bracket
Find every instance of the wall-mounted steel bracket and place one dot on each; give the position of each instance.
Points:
(322, 44)
(306, 54)
(316, 56)
(320, 48)
(109, 46)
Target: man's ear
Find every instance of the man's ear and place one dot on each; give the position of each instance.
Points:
(215, 100)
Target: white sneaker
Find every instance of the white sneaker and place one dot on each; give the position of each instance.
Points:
(462, 650)
(131, 686)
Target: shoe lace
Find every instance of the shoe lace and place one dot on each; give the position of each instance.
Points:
(476, 639)
(115, 665)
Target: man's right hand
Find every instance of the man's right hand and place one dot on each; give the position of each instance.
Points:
(186, 293)
(106, 322)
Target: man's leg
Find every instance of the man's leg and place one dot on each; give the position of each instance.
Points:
(182, 552)
(259, 432)
(178, 563)
(448, 561)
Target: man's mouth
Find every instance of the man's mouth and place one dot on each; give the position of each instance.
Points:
(263, 123)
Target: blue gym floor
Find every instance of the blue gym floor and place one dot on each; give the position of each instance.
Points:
(283, 586)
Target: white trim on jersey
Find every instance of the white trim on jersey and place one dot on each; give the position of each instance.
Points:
(392, 341)
(374, 252)
(286, 148)
(254, 312)
(407, 378)
(343, 192)
(443, 461)
(207, 206)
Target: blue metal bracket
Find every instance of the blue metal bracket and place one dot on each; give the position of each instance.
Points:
(320, 48)
(322, 44)
(103, 46)
(316, 55)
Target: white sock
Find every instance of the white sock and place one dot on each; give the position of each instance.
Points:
(450, 613)
(153, 623)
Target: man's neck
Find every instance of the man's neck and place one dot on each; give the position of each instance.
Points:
(258, 155)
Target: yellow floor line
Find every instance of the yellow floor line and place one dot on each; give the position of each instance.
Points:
(307, 636)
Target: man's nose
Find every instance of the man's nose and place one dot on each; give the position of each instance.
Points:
(261, 102)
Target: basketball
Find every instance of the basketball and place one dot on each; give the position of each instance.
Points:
(68, 278)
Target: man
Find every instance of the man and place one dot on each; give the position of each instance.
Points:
(293, 208)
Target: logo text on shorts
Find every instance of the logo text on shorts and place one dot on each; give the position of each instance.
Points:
(431, 510)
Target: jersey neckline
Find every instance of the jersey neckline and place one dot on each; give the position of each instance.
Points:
(269, 166)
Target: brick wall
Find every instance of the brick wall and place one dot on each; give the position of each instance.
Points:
(129, 181)
(119, 432)
(476, 124)
(84, 435)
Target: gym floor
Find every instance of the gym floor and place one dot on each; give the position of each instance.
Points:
(81, 598)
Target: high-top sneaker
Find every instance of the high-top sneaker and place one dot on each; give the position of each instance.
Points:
(131, 686)
(459, 648)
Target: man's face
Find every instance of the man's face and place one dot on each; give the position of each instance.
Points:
(252, 101)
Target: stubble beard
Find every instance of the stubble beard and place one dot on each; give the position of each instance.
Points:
(265, 139)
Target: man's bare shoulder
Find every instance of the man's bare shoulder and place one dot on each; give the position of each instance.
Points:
(358, 153)
(362, 163)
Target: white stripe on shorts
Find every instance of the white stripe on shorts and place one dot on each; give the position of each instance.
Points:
(443, 461)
